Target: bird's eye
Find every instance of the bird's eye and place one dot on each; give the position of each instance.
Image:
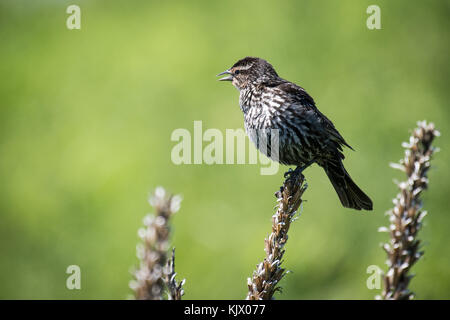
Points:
(236, 72)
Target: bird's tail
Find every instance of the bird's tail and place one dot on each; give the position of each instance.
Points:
(349, 193)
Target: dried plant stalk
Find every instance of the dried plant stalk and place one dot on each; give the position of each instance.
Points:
(174, 290)
(148, 283)
(407, 215)
(264, 282)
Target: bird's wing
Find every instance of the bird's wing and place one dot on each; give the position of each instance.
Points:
(331, 129)
(299, 95)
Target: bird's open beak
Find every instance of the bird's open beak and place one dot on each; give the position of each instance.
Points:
(227, 78)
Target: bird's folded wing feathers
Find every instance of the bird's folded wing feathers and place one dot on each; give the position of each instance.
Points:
(300, 95)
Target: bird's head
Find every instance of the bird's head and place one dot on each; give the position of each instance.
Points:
(249, 71)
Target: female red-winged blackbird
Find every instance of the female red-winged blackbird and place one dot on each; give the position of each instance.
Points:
(305, 135)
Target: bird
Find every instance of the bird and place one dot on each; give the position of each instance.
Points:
(305, 135)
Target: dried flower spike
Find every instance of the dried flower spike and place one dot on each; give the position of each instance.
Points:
(264, 282)
(403, 250)
(148, 283)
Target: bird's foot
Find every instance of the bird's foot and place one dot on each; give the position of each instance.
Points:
(288, 173)
(298, 171)
(295, 173)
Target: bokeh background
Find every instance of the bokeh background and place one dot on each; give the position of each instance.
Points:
(86, 118)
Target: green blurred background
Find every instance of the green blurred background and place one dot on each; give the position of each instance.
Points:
(86, 118)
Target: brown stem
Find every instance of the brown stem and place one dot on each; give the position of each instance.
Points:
(403, 249)
(148, 283)
(264, 282)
